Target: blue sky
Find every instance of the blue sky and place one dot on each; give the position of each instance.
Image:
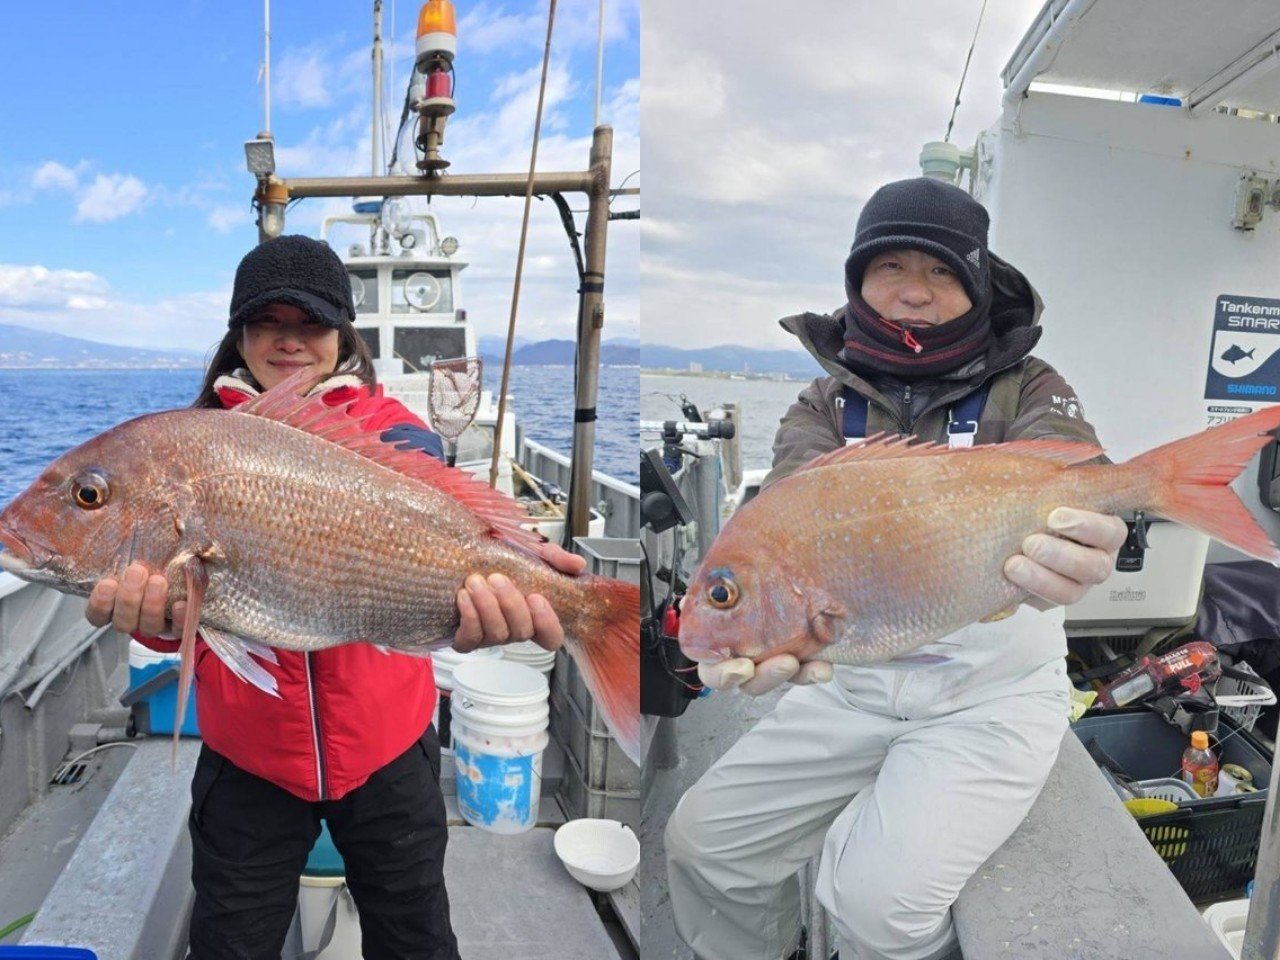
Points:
(124, 199)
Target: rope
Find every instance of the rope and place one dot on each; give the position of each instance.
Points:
(524, 236)
(964, 73)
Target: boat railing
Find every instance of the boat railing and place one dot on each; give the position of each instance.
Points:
(617, 501)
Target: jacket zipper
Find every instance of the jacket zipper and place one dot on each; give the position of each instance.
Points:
(316, 742)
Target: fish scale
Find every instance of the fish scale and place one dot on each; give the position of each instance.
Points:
(285, 523)
(869, 552)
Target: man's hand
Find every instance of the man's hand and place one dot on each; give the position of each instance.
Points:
(1058, 568)
(133, 604)
(492, 611)
(756, 679)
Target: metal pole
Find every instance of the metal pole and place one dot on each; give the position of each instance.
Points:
(1262, 928)
(599, 64)
(464, 185)
(590, 323)
(376, 142)
(524, 236)
(266, 64)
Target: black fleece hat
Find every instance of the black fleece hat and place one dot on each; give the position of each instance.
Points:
(928, 215)
(296, 270)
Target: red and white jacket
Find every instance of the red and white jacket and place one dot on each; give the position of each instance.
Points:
(343, 712)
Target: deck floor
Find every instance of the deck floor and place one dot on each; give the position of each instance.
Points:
(707, 729)
(509, 895)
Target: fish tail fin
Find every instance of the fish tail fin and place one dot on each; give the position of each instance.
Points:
(605, 644)
(1191, 481)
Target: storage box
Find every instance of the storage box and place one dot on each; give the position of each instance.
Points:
(599, 779)
(1211, 844)
(617, 557)
(153, 692)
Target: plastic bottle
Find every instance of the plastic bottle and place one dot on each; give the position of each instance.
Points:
(1200, 766)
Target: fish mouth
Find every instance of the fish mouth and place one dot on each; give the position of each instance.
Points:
(705, 654)
(18, 555)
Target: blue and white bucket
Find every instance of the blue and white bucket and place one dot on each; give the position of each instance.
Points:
(499, 732)
(443, 663)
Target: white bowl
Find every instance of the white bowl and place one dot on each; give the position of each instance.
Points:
(600, 854)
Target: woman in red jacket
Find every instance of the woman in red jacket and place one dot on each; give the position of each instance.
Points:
(350, 739)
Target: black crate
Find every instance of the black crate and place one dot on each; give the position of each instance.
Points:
(1210, 845)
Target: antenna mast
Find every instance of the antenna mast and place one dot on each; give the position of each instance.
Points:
(377, 88)
(266, 64)
(599, 64)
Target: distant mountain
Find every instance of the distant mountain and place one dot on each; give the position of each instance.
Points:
(22, 347)
(497, 346)
(558, 353)
(730, 358)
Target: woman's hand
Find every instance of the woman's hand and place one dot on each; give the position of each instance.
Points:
(492, 611)
(1058, 568)
(133, 604)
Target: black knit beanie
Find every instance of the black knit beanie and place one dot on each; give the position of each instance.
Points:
(928, 215)
(296, 270)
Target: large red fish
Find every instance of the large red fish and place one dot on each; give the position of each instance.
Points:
(283, 522)
(868, 552)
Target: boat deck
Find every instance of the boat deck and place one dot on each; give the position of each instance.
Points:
(1077, 881)
(104, 863)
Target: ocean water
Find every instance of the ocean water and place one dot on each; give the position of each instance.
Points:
(44, 413)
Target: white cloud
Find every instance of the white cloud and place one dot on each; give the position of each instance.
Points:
(110, 197)
(36, 287)
(228, 217)
(54, 176)
(300, 79)
(72, 302)
(761, 148)
(487, 28)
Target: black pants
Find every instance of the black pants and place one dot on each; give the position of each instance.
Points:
(250, 840)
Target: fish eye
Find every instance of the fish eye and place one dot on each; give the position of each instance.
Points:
(723, 593)
(90, 491)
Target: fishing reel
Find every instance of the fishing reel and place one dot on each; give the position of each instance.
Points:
(668, 679)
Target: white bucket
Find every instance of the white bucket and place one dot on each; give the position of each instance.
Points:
(499, 732)
(443, 663)
(317, 897)
(530, 654)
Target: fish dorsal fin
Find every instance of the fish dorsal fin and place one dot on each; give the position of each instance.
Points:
(312, 415)
(887, 446)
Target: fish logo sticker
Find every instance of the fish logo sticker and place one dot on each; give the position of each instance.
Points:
(1237, 355)
(1234, 354)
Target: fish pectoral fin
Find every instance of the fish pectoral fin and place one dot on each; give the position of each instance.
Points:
(826, 616)
(197, 580)
(236, 653)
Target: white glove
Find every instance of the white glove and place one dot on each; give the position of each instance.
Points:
(754, 680)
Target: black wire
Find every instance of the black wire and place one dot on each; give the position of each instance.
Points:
(616, 191)
(648, 571)
(571, 228)
(404, 115)
(964, 73)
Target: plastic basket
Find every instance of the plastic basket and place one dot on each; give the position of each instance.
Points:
(1243, 699)
(1209, 844)
(1165, 788)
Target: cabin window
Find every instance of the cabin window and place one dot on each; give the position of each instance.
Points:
(421, 291)
(370, 337)
(422, 345)
(364, 290)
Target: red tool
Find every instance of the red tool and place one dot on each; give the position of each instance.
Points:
(1187, 668)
